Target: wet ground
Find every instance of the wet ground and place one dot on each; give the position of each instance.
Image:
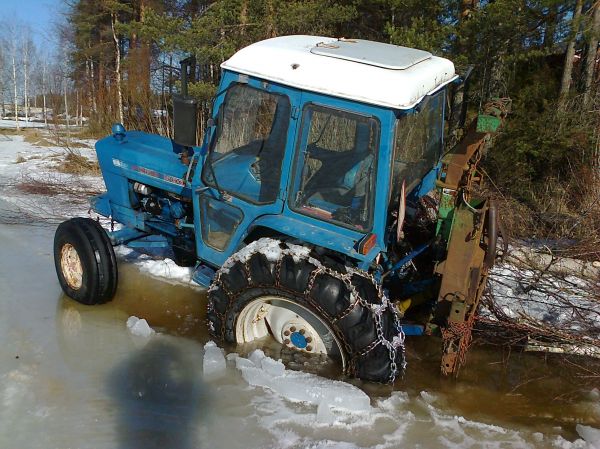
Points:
(72, 376)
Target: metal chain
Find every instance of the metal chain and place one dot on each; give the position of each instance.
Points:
(377, 308)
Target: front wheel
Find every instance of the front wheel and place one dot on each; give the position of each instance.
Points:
(283, 291)
(85, 261)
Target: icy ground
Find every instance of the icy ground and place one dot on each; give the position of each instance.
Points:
(82, 377)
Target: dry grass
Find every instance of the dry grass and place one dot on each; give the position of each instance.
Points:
(36, 137)
(37, 187)
(53, 184)
(75, 163)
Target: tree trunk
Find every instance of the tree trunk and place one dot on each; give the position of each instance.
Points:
(44, 68)
(243, 17)
(113, 22)
(550, 29)
(567, 74)
(93, 85)
(270, 19)
(25, 76)
(466, 11)
(67, 113)
(2, 86)
(14, 73)
(77, 107)
(590, 60)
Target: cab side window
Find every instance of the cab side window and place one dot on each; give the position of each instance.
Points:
(418, 142)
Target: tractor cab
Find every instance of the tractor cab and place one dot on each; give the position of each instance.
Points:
(322, 133)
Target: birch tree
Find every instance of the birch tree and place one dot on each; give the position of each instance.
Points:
(113, 23)
(44, 89)
(2, 85)
(26, 55)
(14, 49)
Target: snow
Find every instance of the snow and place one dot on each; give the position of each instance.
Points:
(163, 268)
(540, 290)
(10, 123)
(23, 164)
(139, 327)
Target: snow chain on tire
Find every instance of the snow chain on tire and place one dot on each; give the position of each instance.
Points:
(223, 302)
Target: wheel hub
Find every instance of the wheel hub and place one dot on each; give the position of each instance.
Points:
(298, 340)
(297, 336)
(273, 315)
(70, 265)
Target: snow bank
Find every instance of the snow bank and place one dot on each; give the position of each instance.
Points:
(139, 327)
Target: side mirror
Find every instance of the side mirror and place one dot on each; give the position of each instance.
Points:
(210, 122)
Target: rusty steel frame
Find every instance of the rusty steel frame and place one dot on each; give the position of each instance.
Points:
(465, 224)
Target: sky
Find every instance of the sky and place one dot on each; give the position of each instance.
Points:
(40, 15)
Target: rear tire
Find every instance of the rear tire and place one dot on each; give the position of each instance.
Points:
(344, 310)
(85, 261)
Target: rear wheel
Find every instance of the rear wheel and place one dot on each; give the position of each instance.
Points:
(85, 261)
(283, 291)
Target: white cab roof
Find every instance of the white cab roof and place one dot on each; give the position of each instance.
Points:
(371, 72)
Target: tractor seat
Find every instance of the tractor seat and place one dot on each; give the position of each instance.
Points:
(340, 182)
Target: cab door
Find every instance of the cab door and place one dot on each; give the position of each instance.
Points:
(244, 174)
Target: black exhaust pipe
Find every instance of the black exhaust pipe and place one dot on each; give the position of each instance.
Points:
(185, 109)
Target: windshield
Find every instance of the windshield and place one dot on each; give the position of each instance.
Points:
(247, 154)
(335, 167)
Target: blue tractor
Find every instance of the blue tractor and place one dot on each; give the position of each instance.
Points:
(319, 209)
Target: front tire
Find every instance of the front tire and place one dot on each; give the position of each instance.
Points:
(85, 261)
(283, 290)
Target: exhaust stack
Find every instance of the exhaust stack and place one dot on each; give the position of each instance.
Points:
(185, 109)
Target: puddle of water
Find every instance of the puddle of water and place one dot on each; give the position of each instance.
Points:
(73, 376)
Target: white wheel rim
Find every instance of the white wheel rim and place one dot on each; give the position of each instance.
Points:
(70, 265)
(286, 326)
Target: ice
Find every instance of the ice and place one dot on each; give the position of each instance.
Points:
(589, 434)
(538, 436)
(262, 371)
(213, 364)
(324, 413)
(428, 397)
(139, 327)
(232, 356)
(273, 367)
(256, 357)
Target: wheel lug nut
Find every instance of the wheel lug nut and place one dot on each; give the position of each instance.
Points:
(293, 328)
(286, 341)
(309, 348)
(302, 331)
(308, 339)
(286, 333)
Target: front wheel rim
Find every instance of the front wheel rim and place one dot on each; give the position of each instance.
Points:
(289, 323)
(70, 266)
